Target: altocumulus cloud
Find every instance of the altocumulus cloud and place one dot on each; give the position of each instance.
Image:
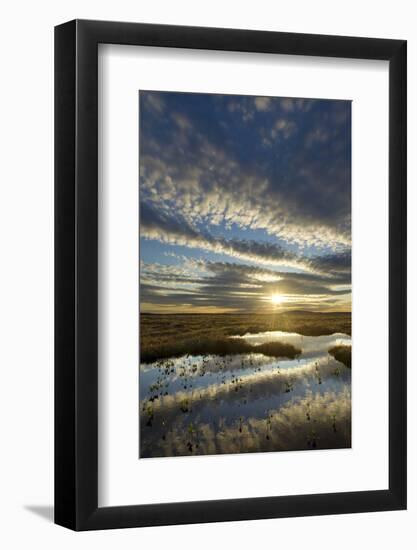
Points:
(262, 181)
(172, 230)
(299, 192)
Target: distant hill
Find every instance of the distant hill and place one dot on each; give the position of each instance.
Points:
(291, 312)
(307, 312)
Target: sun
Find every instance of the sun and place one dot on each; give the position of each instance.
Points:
(277, 299)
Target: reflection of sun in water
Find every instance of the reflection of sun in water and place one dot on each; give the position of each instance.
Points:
(277, 299)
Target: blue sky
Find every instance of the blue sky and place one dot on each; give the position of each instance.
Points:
(245, 203)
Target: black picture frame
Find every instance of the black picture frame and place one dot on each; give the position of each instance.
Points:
(76, 271)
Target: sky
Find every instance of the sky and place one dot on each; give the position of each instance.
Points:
(245, 203)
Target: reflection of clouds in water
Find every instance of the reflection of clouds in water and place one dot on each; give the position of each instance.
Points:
(307, 344)
(212, 370)
(200, 371)
(317, 421)
(256, 385)
(196, 366)
(221, 404)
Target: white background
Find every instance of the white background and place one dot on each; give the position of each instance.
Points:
(123, 479)
(26, 301)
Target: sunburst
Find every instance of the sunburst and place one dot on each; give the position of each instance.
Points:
(277, 299)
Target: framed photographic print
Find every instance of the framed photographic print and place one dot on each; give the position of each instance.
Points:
(230, 275)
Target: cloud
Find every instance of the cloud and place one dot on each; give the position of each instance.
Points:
(290, 105)
(262, 181)
(181, 121)
(283, 127)
(262, 103)
(153, 101)
(232, 286)
(158, 225)
(220, 172)
(333, 263)
(213, 188)
(318, 135)
(161, 226)
(242, 106)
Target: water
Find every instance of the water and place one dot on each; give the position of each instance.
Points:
(247, 403)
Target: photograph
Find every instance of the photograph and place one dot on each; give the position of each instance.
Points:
(245, 274)
(181, 194)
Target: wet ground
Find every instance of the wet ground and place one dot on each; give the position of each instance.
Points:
(247, 403)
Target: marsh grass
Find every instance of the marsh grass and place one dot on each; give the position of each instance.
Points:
(342, 354)
(171, 335)
(219, 347)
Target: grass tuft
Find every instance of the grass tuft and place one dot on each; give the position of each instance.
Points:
(216, 347)
(343, 354)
